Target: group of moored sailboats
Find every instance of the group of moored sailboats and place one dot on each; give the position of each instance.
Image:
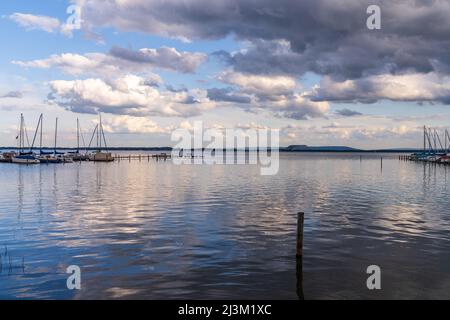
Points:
(26, 155)
(433, 149)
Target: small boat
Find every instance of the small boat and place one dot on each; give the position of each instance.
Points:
(76, 155)
(444, 159)
(48, 158)
(25, 159)
(64, 158)
(7, 156)
(100, 155)
(61, 157)
(45, 156)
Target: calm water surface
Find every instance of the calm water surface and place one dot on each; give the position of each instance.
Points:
(157, 230)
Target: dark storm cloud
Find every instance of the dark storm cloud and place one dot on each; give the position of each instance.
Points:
(227, 95)
(327, 37)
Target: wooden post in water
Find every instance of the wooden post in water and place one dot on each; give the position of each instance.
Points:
(300, 223)
(299, 255)
(299, 276)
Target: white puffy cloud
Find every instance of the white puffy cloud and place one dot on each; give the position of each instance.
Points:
(128, 124)
(127, 95)
(264, 87)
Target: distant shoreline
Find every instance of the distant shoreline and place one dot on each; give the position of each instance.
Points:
(281, 149)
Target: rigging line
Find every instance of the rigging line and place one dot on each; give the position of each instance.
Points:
(26, 133)
(439, 139)
(93, 135)
(104, 139)
(82, 137)
(429, 141)
(36, 131)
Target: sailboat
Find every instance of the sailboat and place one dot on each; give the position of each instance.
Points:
(76, 155)
(61, 156)
(100, 155)
(24, 157)
(45, 156)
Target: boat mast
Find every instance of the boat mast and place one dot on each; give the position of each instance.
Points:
(97, 136)
(21, 141)
(19, 145)
(424, 138)
(101, 130)
(448, 137)
(40, 139)
(439, 140)
(78, 136)
(56, 132)
(35, 133)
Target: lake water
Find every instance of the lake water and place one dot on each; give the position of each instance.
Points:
(155, 230)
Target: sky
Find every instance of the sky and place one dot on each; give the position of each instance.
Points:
(311, 69)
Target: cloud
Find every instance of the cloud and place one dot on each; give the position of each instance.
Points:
(292, 37)
(40, 22)
(12, 94)
(227, 95)
(164, 57)
(120, 61)
(429, 87)
(299, 107)
(348, 113)
(277, 94)
(128, 124)
(363, 132)
(264, 87)
(127, 95)
(35, 22)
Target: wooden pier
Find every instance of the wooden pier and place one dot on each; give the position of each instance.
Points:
(142, 157)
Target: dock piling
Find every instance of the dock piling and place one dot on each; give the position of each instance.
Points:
(300, 224)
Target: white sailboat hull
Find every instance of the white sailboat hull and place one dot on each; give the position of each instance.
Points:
(25, 161)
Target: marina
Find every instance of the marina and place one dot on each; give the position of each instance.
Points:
(28, 154)
(436, 148)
